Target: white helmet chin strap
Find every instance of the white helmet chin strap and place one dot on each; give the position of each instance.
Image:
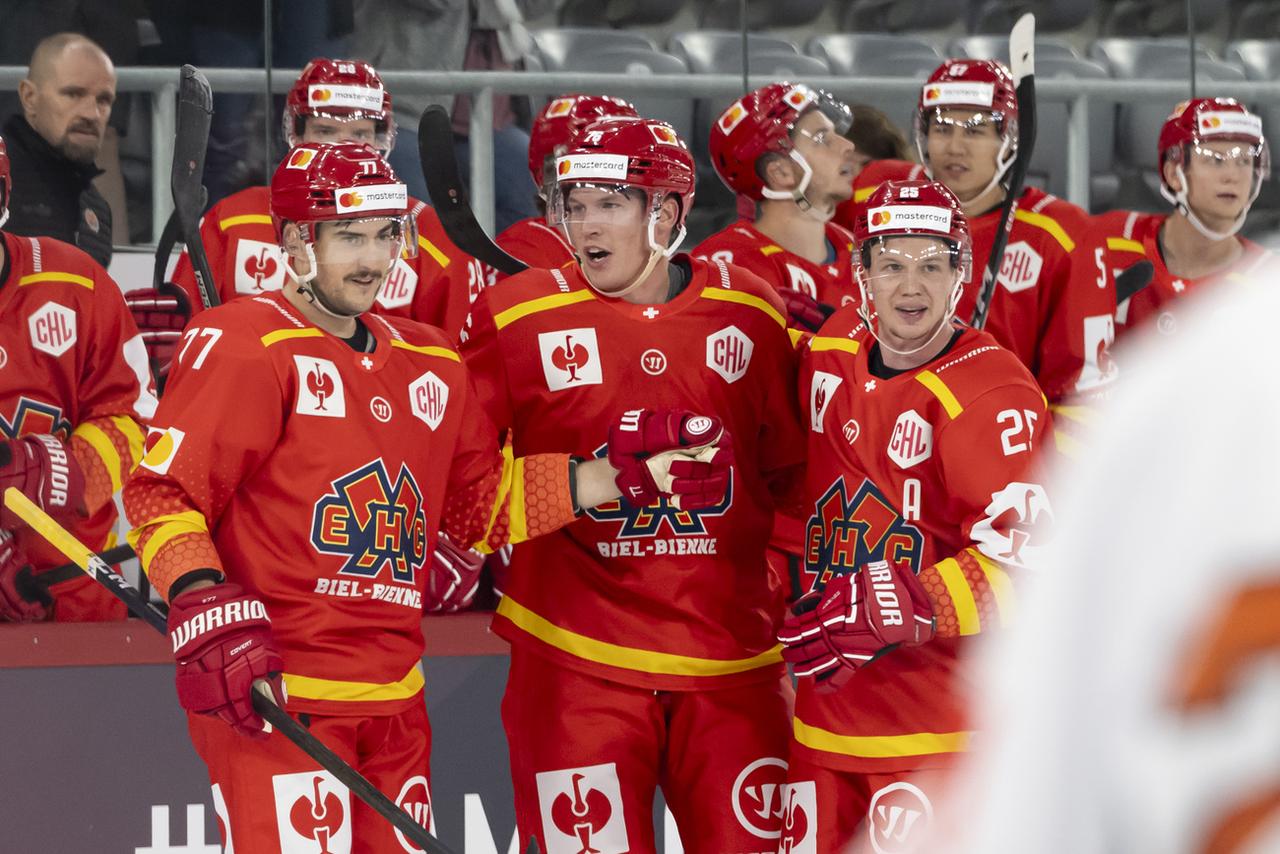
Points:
(311, 294)
(797, 194)
(657, 252)
(1179, 201)
(1005, 158)
(867, 317)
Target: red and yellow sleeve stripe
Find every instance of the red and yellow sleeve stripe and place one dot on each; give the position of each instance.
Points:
(173, 538)
(526, 498)
(971, 593)
(107, 449)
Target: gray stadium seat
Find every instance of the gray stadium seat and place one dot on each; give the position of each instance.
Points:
(1131, 57)
(997, 47)
(761, 14)
(720, 51)
(891, 16)
(1160, 17)
(637, 62)
(619, 13)
(878, 55)
(998, 16)
(1260, 60)
(1257, 20)
(559, 47)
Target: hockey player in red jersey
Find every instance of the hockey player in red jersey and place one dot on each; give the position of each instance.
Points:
(642, 644)
(74, 391)
(532, 240)
(331, 101)
(781, 147)
(303, 456)
(1213, 160)
(923, 505)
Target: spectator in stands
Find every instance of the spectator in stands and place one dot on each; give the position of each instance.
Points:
(53, 144)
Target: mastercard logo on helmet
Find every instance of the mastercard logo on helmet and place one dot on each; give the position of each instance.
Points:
(558, 107)
(1227, 123)
(910, 217)
(350, 199)
(346, 97)
(732, 117)
(376, 197)
(664, 134)
(800, 97)
(320, 96)
(960, 92)
(300, 158)
(588, 167)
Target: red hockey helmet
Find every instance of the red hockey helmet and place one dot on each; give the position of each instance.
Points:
(556, 126)
(912, 209)
(6, 183)
(760, 123)
(343, 90)
(1202, 120)
(983, 85)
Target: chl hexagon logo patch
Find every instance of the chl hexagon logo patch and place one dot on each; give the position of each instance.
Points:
(912, 440)
(397, 291)
(428, 398)
(53, 328)
(729, 353)
(1020, 268)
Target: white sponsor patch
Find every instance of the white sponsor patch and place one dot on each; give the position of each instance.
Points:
(570, 358)
(729, 353)
(428, 399)
(731, 117)
(959, 92)
(582, 810)
(918, 217)
(758, 796)
(345, 97)
(821, 391)
(161, 453)
(397, 291)
(584, 167)
(376, 197)
(259, 266)
(1229, 124)
(53, 328)
(320, 389)
(800, 97)
(300, 158)
(415, 799)
(558, 107)
(313, 813)
(912, 440)
(1015, 525)
(898, 817)
(799, 818)
(1020, 267)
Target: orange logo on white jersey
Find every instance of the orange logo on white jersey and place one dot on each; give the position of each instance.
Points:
(162, 447)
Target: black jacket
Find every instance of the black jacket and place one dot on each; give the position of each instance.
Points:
(53, 196)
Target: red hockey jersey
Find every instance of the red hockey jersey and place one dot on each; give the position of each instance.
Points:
(868, 180)
(1118, 239)
(72, 364)
(317, 477)
(436, 287)
(536, 244)
(829, 283)
(653, 597)
(930, 469)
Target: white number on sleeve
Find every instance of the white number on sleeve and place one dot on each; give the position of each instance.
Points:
(1019, 421)
(199, 332)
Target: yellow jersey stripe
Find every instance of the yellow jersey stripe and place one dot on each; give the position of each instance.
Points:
(105, 449)
(771, 249)
(70, 278)
(1065, 443)
(434, 251)
(285, 334)
(533, 306)
(244, 219)
(625, 657)
(880, 746)
(1050, 225)
(133, 435)
(1001, 586)
(796, 335)
(961, 596)
(1080, 414)
(823, 343)
(427, 350)
(931, 381)
(313, 688)
(504, 489)
(517, 521)
(166, 528)
(1126, 245)
(861, 194)
(745, 299)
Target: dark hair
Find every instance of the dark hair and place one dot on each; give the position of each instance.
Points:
(876, 136)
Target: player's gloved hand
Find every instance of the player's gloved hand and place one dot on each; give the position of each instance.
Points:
(21, 599)
(855, 619)
(672, 452)
(161, 314)
(44, 470)
(222, 642)
(805, 311)
(454, 576)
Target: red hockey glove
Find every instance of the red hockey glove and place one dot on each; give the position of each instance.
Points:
(671, 452)
(222, 642)
(161, 315)
(453, 578)
(854, 620)
(43, 469)
(15, 580)
(805, 311)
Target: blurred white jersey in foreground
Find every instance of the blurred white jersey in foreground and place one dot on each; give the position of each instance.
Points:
(1136, 706)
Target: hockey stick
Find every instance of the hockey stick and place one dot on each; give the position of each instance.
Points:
(1132, 279)
(1022, 66)
(62, 539)
(34, 587)
(190, 142)
(444, 183)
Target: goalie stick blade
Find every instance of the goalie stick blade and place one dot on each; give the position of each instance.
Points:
(1132, 279)
(444, 183)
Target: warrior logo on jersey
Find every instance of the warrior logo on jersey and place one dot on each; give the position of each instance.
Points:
(373, 523)
(846, 532)
(648, 521)
(33, 416)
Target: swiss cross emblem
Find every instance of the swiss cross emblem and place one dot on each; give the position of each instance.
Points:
(397, 291)
(428, 397)
(912, 440)
(729, 353)
(1020, 268)
(53, 328)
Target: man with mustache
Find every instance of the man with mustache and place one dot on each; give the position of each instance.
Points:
(53, 144)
